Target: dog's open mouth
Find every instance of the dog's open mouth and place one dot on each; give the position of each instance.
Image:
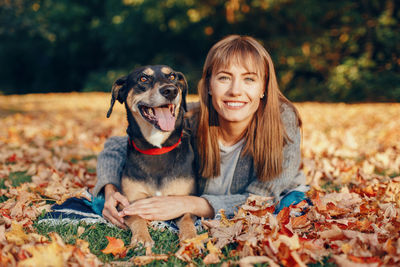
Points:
(162, 117)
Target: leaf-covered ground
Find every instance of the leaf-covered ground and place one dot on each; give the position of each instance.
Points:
(351, 157)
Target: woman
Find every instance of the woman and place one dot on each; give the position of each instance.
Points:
(247, 140)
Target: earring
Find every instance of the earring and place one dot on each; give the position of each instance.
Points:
(262, 96)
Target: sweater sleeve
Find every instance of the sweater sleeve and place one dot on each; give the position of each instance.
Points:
(111, 162)
(228, 203)
(291, 177)
(287, 181)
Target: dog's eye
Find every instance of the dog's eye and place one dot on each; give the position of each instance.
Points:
(143, 79)
(172, 77)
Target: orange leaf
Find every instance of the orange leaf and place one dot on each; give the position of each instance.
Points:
(364, 259)
(283, 216)
(389, 247)
(115, 246)
(333, 210)
(364, 225)
(262, 212)
(300, 221)
(318, 203)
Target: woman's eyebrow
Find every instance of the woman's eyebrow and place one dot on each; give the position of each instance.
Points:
(250, 72)
(224, 71)
(243, 74)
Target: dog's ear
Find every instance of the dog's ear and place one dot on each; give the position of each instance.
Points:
(117, 93)
(184, 86)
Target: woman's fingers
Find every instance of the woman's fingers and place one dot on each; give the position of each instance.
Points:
(139, 211)
(142, 206)
(156, 208)
(113, 220)
(110, 208)
(121, 199)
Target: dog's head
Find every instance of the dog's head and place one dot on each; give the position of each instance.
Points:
(154, 94)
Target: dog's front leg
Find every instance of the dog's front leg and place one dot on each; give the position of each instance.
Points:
(140, 233)
(187, 229)
(135, 190)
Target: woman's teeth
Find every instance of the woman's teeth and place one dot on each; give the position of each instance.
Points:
(235, 104)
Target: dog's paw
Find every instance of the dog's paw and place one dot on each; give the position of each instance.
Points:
(187, 231)
(187, 235)
(143, 238)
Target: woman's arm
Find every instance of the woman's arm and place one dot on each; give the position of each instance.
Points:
(169, 207)
(110, 164)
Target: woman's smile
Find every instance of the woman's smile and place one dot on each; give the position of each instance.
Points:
(236, 93)
(234, 104)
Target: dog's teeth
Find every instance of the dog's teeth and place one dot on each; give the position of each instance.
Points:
(151, 112)
(172, 109)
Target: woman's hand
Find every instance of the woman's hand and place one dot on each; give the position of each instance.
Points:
(168, 208)
(112, 199)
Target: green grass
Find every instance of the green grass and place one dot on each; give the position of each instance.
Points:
(325, 263)
(166, 242)
(91, 170)
(386, 173)
(330, 187)
(18, 178)
(2, 186)
(76, 160)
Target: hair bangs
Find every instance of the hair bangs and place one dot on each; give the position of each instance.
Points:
(240, 53)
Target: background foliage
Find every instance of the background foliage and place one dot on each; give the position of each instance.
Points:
(323, 50)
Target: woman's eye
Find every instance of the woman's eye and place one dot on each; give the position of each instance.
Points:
(172, 77)
(249, 79)
(223, 78)
(143, 79)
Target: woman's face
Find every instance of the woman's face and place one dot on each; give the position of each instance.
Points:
(236, 92)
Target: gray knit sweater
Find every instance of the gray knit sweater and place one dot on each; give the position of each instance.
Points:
(111, 161)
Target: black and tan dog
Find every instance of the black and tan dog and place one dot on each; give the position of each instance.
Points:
(160, 156)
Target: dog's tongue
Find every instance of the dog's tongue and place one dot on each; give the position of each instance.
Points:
(166, 121)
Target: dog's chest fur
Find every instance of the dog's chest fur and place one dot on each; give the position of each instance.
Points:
(159, 175)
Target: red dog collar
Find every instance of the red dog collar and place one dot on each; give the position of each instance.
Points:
(157, 151)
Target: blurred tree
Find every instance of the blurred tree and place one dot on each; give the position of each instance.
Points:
(327, 51)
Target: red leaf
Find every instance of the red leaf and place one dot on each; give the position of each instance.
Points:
(364, 259)
(283, 216)
(115, 246)
(12, 158)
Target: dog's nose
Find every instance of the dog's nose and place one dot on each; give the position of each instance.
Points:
(169, 92)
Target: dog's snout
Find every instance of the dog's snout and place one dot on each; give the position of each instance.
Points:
(169, 92)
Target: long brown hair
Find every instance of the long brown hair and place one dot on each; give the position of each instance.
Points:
(266, 135)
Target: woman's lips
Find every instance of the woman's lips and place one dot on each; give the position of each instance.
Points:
(234, 104)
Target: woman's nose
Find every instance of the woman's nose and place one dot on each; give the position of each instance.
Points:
(235, 88)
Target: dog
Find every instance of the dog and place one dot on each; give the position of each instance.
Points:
(160, 156)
